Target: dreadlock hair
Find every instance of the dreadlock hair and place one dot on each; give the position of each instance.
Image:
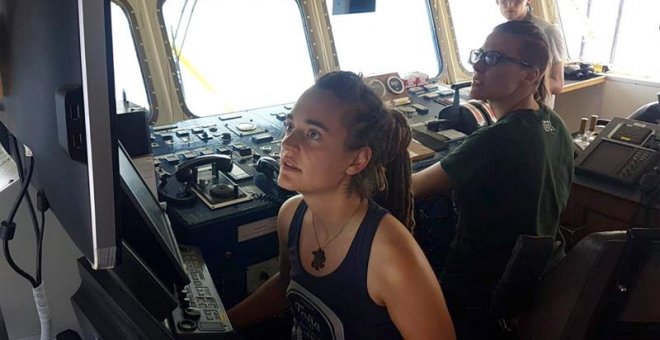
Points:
(533, 49)
(386, 132)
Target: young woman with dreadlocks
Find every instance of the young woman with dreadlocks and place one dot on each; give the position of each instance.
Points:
(348, 267)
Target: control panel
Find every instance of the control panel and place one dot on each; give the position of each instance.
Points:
(201, 314)
(229, 212)
(226, 211)
(623, 152)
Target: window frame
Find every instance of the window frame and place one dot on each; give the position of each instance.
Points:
(433, 17)
(465, 73)
(314, 60)
(616, 69)
(150, 90)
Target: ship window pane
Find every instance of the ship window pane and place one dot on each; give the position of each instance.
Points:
(237, 55)
(473, 21)
(128, 75)
(621, 34)
(397, 37)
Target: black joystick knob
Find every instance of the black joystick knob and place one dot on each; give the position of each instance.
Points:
(192, 312)
(187, 325)
(433, 125)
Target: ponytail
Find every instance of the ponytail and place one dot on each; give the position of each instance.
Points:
(541, 91)
(397, 193)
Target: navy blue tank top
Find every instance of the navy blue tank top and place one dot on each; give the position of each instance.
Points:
(338, 305)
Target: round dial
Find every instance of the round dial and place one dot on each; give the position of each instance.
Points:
(395, 84)
(378, 87)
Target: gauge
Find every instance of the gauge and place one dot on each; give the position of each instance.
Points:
(378, 87)
(395, 84)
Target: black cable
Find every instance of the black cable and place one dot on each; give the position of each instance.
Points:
(21, 194)
(37, 230)
(15, 267)
(21, 176)
(25, 181)
(40, 246)
(15, 154)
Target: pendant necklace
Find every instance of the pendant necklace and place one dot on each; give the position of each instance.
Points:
(319, 254)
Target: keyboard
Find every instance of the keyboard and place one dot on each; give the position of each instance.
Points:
(200, 314)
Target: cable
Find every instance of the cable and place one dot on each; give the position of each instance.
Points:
(37, 231)
(17, 158)
(19, 163)
(9, 225)
(15, 267)
(7, 233)
(40, 246)
(21, 194)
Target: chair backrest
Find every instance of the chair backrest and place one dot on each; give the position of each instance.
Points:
(569, 294)
(649, 113)
(581, 296)
(521, 276)
(630, 308)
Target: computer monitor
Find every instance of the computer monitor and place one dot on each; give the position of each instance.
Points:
(49, 50)
(146, 228)
(131, 300)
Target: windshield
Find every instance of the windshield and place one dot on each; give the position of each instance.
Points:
(237, 55)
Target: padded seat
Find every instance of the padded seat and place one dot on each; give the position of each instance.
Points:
(578, 299)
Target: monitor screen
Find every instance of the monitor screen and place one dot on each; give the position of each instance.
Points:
(608, 158)
(49, 46)
(146, 228)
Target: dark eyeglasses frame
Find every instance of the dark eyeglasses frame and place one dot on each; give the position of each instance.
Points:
(492, 58)
(510, 2)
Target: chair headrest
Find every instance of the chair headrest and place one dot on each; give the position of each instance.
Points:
(570, 293)
(649, 113)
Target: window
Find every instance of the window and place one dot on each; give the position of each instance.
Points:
(622, 34)
(237, 55)
(473, 21)
(394, 38)
(128, 75)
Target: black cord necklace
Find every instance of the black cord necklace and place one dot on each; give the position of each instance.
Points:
(319, 254)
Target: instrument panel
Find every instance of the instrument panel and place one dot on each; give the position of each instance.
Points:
(233, 213)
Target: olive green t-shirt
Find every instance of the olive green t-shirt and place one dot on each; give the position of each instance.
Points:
(511, 178)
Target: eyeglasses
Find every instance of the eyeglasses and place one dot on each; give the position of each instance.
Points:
(492, 58)
(510, 2)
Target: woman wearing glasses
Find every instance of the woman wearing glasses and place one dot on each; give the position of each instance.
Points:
(510, 178)
(522, 10)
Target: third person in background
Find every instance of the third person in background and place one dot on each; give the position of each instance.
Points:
(522, 10)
